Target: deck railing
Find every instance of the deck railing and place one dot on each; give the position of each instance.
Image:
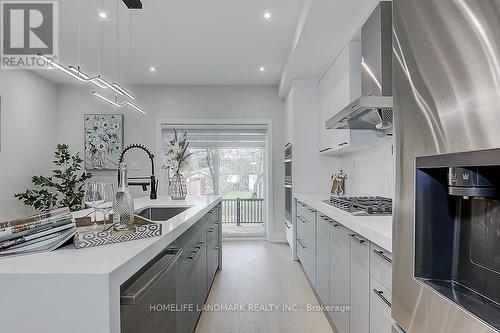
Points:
(243, 211)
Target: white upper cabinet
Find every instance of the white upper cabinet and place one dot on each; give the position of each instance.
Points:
(338, 88)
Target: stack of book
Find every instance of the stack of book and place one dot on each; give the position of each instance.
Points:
(39, 233)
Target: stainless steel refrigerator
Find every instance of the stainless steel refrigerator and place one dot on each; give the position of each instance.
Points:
(446, 67)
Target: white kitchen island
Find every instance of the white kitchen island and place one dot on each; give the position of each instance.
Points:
(78, 290)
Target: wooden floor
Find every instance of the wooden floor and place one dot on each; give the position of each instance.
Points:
(260, 273)
(243, 229)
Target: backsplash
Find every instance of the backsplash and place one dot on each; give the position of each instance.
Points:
(371, 171)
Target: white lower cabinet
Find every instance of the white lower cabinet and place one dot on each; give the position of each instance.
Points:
(323, 258)
(380, 308)
(306, 243)
(349, 274)
(360, 285)
(340, 275)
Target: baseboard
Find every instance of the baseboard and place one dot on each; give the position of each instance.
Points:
(239, 238)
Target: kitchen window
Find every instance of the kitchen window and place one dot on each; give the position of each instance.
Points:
(229, 160)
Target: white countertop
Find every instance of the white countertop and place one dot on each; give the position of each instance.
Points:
(377, 229)
(78, 290)
(111, 259)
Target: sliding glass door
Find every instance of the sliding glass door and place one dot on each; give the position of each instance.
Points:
(229, 161)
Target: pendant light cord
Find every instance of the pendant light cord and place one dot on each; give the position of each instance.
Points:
(130, 48)
(117, 43)
(102, 42)
(79, 33)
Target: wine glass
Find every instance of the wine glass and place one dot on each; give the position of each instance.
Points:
(108, 195)
(93, 197)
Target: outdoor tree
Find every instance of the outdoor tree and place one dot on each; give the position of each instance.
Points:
(213, 163)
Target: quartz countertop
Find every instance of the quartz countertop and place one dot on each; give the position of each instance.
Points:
(78, 290)
(377, 229)
(121, 259)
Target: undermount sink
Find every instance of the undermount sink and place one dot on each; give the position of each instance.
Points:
(159, 214)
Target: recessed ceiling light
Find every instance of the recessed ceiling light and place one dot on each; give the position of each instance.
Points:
(103, 15)
(152, 69)
(267, 15)
(262, 69)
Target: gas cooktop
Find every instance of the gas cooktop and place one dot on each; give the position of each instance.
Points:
(362, 205)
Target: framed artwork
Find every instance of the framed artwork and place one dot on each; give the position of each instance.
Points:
(103, 141)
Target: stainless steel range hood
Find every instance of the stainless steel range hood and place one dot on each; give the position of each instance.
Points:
(373, 110)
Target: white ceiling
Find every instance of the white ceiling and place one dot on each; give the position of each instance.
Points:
(327, 26)
(188, 41)
(213, 42)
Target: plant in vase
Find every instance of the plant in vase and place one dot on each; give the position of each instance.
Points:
(64, 188)
(175, 159)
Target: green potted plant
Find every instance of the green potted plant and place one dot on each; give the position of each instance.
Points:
(64, 188)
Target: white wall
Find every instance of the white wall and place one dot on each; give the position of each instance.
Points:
(28, 135)
(371, 171)
(180, 102)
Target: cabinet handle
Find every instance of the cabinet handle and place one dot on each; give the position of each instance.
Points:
(286, 224)
(193, 256)
(211, 229)
(382, 255)
(326, 218)
(336, 225)
(131, 296)
(342, 144)
(380, 294)
(300, 243)
(302, 219)
(326, 149)
(359, 240)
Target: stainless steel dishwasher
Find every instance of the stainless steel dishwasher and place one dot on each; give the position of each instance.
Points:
(145, 296)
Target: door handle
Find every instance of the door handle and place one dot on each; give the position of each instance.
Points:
(380, 294)
(382, 255)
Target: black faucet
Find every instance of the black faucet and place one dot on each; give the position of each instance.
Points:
(153, 182)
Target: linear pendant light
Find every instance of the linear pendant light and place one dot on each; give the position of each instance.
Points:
(98, 81)
(119, 105)
(76, 73)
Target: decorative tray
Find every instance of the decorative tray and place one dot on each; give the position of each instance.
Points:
(86, 237)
